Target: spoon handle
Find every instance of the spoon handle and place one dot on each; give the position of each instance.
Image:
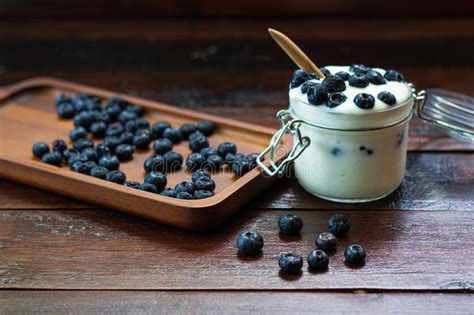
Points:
(295, 53)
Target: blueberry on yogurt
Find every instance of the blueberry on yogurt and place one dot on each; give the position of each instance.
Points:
(342, 75)
(300, 77)
(317, 94)
(375, 77)
(359, 68)
(334, 84)
(392, 75)
(387, 97)
(359, 80)
(364, 100)
(335, 99)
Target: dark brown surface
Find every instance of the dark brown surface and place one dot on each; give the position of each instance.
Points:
(418, 260)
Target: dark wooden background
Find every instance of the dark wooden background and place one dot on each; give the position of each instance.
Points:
(61, 255)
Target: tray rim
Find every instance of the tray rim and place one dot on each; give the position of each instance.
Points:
(8, 164)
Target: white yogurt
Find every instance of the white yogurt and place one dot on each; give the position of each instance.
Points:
(355, 155)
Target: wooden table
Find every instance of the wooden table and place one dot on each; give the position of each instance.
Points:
(62, 255)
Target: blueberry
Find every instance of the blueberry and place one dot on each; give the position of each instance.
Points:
(39, 149)
(52, 158)
(184, 195)
(197, 141)
(114, 130)
(184, 186)
(335, 99)
(77, 133)
(225, 148)
(306, 86)
(392, 75)
(250, 243)
(230, 158)
(68, 153)
(76, 159)
(90, 153)
(84, 119)
(375, 77)
(82, 144)
(124, 152)
(113, 110)
(194, 161)
(98, 129)
(333, 84)
(117, 101)
(116, 176)
(358, 80)
(99, 172)
(338, 225)
(125, 116)
(205, 152)
(325, 71)
(174, 134)
(110, 162)
(252, 159)
(355, 254)
(142, 123)
(173, 160)
(387, 98)
(148, 187)
(342, 75)
(101, 150)
(132, 184)
(364, 100)
(131, 126)
(187, 130)
(84, 168)
(214, 162)
(202, 194)
(158, 128)
(142, 140)
(300, 77)
(318, 260)
(317, 94)
(206, 127)
(59, 145)
(168, 192)
(138, 110)
(240, 168)
(359, 68)
(103, 116)
(290, 224)
(161, 146)
(326, 241)
(204, 183)
(112, 143)
(62, 98)
(154, 163)
(290, 263)
(65, 110)
(126, 137)
(156, 178)
(200, 173)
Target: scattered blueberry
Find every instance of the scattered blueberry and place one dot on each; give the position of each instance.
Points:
(252, 159)
(333, 84)
(249, 243)
(156, 178)
(39, 149)
(126, 137)
(342, 75)
(359, 68)
(291, 263)
(227, 147)
(116, 176)
(200, 173)
(358, 80)
(75, 159)
(230, 158)
(240, 168)
(187, 129)
(65, 110)
(132, 184)
(84, 119)
(154, 163)
(148, 187)
(184, 195)
(173, 160)
(124, 152)
(317, 94)
(83, 143)
(161, 146)
(142, 123)
(52, 158)
(112, 143)
(206, 127)
(204, 183)
(339, 225)
(59, 145)
(168, 192)
(174, 134)
(99, 172)
(335, 99)
(195, 161)
(184, 186)
(202, 194)
(90, 153)
(101, 150)
(300, 77)
(68, 153)
(142, 140)
(326, 241)
(84, 167)
(364, 100)
(290, 224)
(98, 129)
(387, 97)
(131, 125)
(132, 108)
(158, 128)
(77, 133)
(375, 77)
(214, 162)
(110, 162)
(197, 141)
(392, 75)
(125, 116)
(205, 152)
(113, 111)
(114, 130)
(318, 260)
(355, 254)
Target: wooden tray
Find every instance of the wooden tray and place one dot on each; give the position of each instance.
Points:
(27, 115)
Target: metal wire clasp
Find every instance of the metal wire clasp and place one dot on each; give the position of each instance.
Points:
(288, 125)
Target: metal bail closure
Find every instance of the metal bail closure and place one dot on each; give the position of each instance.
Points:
(288, 126)
(453, 112)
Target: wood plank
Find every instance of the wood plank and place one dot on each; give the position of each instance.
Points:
(407, 250)
(432, 182)
(100, 302)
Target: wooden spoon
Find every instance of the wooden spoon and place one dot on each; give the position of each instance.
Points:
(295, 53)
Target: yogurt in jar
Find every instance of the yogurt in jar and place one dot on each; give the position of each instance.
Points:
(357, 130)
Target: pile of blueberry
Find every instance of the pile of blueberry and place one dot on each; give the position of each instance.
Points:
(250, 243)
(329, 91)
(122, 129)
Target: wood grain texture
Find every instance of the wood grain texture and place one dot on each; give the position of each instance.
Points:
(416, 250)
(432, 182)
(47, 302)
